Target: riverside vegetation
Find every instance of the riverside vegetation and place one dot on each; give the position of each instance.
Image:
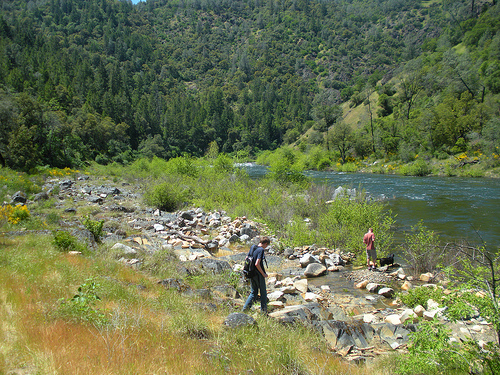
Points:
(89, 313)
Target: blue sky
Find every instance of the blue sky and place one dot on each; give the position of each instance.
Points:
(135, 1)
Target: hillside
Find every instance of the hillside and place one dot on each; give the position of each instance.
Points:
(108, 80)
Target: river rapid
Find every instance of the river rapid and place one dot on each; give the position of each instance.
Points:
(455, 208)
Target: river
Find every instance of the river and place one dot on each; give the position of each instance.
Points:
(453, 207)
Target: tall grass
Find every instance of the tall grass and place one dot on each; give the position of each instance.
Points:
(146, 330)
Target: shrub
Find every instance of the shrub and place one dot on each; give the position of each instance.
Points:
(14, 214)
(82, 306)
(420, 296)
(421, 249)
(431, 352)
(64, 241)
(94, 227)
(167, 196)
(417, 168)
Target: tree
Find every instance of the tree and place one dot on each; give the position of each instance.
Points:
(340, 136)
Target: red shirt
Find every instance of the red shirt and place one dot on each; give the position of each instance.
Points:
(369, 239)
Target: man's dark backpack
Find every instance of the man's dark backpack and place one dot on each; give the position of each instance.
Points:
(249, 269)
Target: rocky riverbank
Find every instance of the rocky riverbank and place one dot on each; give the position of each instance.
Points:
(357, 327)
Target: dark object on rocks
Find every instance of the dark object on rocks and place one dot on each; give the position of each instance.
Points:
(387, 261)
(71, 210)
(237, 320)
(19, 197)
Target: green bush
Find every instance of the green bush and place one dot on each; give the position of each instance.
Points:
(431, 352)
(82, 306)
(64, 241)
(417, 168)
(94, 227)
(421, 249)
(167, 196)
(420, 296)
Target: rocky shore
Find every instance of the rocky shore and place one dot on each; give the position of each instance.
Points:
(356, 326)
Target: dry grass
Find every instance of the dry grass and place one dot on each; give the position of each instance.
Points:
(145, 331)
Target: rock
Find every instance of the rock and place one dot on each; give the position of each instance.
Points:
(369, 318)
(123, 250)
(425, 277)
(275, 296)
(429, 315)
(432, 305)
(298, 313)
(95, 199)
(386, 292)
(288, 289)
(419, 311)
(311, 297)
(237, 320)
(43, 196)
(215, 266)
(341, 335)
(19, 197)
(226, 291)
(307, 260)
(301, 285)
(314, 270)
(362, 284)
(373, 287)
(234, 238)
(392, 319)
(288, 252)
(173, 284)
(406, 286)
(70, 210)
(159, 227)
(66, 184)
(407, 315)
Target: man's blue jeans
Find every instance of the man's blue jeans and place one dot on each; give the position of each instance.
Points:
(258, 284)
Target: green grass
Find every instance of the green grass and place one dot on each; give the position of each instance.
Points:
(86, 314)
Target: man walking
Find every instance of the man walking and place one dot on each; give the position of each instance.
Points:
(371, 253)
(258, 281)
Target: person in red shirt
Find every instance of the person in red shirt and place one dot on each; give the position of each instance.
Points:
(371, 253)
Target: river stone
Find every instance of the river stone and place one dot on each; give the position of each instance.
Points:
(425, 277)
(314, 270)
(430, 315)
(386, 292)
(362, 284)
(373, 287)
(407, 315)
(432, 305)
(406, 285)
(419, 310)
(301, 285)
(237, 320)
(393, 319)
(275, 296)
(308, 259)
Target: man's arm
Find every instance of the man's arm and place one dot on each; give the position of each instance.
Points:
(259, 268)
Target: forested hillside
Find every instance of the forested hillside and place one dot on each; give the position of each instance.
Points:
(107, 80)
